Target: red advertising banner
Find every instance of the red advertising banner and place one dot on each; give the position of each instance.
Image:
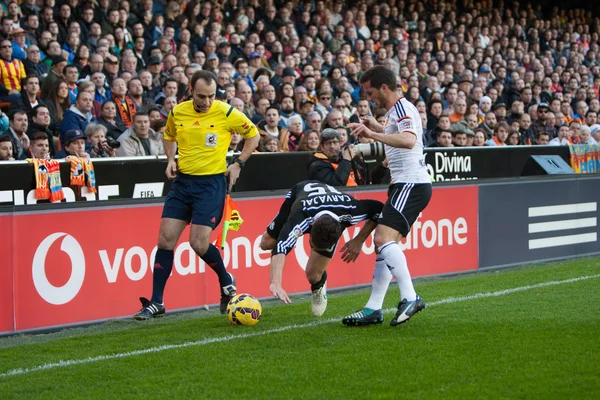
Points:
(87, 264)
(6, 271)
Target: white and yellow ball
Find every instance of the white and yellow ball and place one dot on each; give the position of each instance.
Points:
(244, 309)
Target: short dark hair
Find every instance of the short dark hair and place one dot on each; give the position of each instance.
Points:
(206, 76)
(141, 113)
(169, 80)
(39, 136)
(325, 232)
(378, 76)
(13, 113)
(35, 110)
(5, 138)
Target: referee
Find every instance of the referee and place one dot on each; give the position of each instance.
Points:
(201, 130)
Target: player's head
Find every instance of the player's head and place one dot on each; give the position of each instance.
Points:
(325, 232)
(378, 82)
(204, 90)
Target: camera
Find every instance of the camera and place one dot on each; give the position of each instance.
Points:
(370, 149)
(115, 144)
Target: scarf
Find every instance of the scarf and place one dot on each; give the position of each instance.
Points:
(126, 115)
(82, 173)
(48, 185)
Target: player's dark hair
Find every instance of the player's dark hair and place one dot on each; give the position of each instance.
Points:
(207, 76)
(325, 232)
(378, 76)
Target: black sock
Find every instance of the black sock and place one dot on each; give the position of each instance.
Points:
(213, 259)
(163, 265)
(318, 285)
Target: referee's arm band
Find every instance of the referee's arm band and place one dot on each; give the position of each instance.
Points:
(229, 111)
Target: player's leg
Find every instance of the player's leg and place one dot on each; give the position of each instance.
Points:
(176, 215)
(399, 213)
(316, 273)
(269, 238)
(209, 200)
(372, 312)
(200, 243)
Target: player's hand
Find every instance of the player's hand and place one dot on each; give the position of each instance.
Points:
(360, 130)
(279, 292)
(233, 172)
(351, 250)
(370, 122)
(171, 171)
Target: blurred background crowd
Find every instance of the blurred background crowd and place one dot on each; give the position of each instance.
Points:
(99, 78)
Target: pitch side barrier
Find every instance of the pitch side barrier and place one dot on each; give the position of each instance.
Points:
(60, 258)
(144, 177)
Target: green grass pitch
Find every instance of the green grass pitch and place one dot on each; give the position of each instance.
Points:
(530, 332)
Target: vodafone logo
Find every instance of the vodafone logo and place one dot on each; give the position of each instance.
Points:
(49, 292)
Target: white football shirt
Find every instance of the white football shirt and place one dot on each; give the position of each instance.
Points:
(406, 165)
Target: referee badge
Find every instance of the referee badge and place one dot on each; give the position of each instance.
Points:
(211, 140)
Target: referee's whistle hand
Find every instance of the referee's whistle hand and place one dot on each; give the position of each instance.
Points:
(171, 171)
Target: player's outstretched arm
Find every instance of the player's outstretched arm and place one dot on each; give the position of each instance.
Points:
(352, 248)
(277, 264)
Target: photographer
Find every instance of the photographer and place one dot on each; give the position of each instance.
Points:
(335, 165)
(101, 145)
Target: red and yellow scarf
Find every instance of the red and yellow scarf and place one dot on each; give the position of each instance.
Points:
(126, 114)
(48, 185)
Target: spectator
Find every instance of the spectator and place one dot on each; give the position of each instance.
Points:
(140, 139)
(444, 139)
(58, 102)
(479, 138)
(96, 137)
(54, 76)
(41, 122)
(33, 63)
(309, 141)
(12, 71)
(39, 146)
(268, 144)
(108, 119)
(333, 165)
(292, 137)
(501, 131)
(6, 148)
(74, 145)
(542, 138)
(271, 125)
(126, 107)
(18, 133)
(28, 98)
(78, 116)
(563, 136)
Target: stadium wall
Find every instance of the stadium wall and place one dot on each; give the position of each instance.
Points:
(68, 264)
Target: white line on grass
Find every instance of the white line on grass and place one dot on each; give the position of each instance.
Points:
(67, 363)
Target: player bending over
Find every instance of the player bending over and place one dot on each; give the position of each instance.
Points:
(324, 212)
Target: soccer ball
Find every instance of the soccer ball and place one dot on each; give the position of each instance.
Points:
(244, 309)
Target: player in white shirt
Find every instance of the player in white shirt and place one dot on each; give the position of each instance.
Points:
(408, 195)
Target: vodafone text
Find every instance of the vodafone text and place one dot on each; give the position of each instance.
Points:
(136, 262)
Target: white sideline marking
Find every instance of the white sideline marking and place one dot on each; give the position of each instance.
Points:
(67, 363)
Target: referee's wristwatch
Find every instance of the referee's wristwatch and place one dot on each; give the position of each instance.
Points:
(241, 162)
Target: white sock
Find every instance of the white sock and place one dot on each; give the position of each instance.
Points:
(381, 281)
(396, 262)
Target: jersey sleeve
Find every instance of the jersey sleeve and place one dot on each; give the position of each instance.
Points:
(171, 130)
(238, 122)
(366, 210)
(405, 124)
(280, 219)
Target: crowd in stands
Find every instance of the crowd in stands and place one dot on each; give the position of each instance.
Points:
(98, 78)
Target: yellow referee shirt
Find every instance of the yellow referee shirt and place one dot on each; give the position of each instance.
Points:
(203, 138)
